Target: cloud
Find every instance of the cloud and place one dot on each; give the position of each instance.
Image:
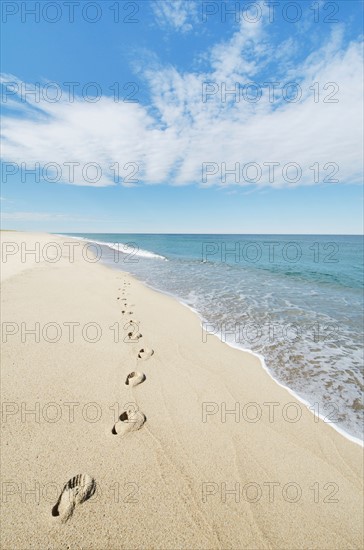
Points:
(180, 15)
(169, 139)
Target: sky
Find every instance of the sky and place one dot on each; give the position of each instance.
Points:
(182, 116)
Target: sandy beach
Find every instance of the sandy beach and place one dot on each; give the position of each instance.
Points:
(217, 455)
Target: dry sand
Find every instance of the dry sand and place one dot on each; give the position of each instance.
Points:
(165, 485)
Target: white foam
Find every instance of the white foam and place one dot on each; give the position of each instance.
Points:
(122, 248)
(307, 404)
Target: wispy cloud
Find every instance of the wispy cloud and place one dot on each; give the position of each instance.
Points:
(168, 140)
(180, 15)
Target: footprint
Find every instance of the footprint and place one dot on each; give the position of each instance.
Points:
(125, 312)
(129, 421)
(77, 490)
(134, 378)
(145, 353)
(133, 336)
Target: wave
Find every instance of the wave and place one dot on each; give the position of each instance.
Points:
(123, 248)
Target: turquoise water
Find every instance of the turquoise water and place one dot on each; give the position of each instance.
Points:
(296, 300)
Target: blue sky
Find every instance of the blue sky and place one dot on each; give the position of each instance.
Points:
(184, 156)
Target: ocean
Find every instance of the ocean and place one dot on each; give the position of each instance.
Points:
(296, 300)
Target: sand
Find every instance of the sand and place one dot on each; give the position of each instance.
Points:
(169, 481)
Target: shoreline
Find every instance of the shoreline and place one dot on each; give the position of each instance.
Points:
(181, 466)
(263, 365)
(259, 356)
(294, 394)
